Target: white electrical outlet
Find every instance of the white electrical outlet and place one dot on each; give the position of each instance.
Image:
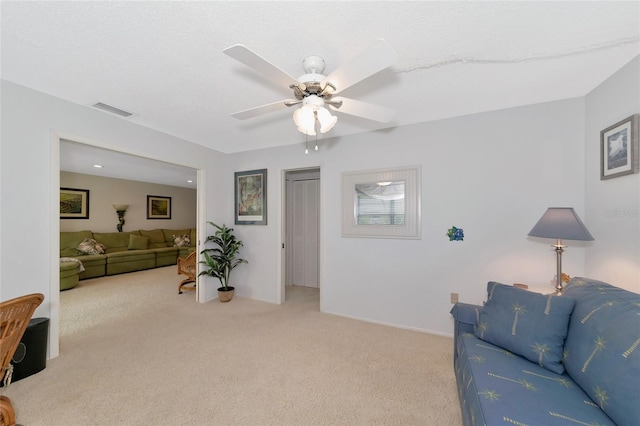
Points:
(454, 297)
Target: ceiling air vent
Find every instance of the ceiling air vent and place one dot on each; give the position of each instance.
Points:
(112, 110)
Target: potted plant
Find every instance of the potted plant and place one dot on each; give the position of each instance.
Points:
(221, 260)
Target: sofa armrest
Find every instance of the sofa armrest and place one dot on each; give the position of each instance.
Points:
(465, 318)
(466, 315)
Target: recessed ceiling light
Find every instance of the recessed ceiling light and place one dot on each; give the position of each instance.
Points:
(97, 166)
(189, 181)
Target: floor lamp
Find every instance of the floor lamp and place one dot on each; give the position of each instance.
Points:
(560, 223)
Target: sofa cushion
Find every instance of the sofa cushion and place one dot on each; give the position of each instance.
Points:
(91, 246)
(69, 242)
(602, 352)
(115, 241)
(156, 238)
(496, 387)
(71, 252)
(529, 324)
(137, 242)
(130, 260)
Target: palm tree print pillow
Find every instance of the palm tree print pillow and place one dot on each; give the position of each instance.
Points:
(529, 324)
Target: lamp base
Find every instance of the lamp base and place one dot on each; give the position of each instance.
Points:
(120, 219)
(559, 249)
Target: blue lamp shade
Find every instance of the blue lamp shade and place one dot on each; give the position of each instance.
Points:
(561, 223)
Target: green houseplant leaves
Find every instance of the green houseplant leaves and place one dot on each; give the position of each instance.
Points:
(221, 259)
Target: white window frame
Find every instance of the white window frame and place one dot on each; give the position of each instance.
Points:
(411, 175)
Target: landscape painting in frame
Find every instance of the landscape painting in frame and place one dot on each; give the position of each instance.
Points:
(619, 149)
(74, 203)
(158, 207)
(251, 197)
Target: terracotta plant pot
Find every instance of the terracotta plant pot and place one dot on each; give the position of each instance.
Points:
(225, 295)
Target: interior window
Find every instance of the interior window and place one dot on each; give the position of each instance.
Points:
(379, 203)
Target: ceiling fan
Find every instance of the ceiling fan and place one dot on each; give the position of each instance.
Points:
(315, 91)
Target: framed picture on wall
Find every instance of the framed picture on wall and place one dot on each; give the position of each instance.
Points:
(619, 149)
(158, 207)
(74, 203)
(251, 197)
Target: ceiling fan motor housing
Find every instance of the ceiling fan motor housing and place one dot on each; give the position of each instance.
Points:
(313, 65)
(309, 87)
(311, 81)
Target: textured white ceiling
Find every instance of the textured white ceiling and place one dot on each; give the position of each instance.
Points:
(163, 61)
(81, 158)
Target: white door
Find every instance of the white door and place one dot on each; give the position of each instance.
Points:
(303, 228)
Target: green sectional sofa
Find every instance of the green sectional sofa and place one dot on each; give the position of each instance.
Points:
(118, 252)
(69, 272)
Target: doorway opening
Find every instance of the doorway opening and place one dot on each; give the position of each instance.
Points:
(56, 140)
(129, 178)
(302, 234)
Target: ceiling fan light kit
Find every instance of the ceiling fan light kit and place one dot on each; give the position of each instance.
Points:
(314, 90)
(313, 110)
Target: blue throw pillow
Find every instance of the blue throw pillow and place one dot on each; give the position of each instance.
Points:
(529, 324)
(602, 351)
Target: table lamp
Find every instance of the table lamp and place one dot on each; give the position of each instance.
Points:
(560, 223)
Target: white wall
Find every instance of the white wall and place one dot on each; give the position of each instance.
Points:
(492, 174)
(260, 278)
(104, 192)
(32, 123)
(613, 205)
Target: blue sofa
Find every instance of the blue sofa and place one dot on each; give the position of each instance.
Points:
(526, 358)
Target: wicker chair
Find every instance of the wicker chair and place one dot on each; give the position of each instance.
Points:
(187, 267)
(14, 319)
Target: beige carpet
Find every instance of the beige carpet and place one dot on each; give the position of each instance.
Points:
(134, 352)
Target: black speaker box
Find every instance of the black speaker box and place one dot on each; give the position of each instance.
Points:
(31, 355)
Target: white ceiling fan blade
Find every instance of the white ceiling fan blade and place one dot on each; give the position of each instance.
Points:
(373, 59)
(364, 110)
(260, 110)
(251, 59)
